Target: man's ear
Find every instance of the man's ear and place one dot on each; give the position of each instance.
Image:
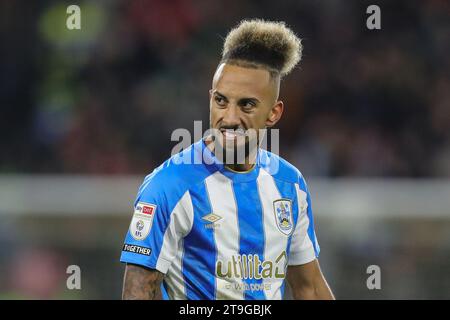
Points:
(275, 114)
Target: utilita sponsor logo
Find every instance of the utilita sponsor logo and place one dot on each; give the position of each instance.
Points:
(250, 267)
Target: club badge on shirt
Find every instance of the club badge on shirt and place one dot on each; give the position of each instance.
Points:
(142, 220)
(283, 215)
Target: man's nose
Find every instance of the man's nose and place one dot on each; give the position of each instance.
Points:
(231, 116)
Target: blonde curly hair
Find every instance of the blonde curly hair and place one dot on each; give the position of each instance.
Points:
(259, 43)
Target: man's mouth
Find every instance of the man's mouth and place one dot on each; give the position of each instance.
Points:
(232, 134)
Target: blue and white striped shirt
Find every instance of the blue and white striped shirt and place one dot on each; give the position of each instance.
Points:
(219, 234)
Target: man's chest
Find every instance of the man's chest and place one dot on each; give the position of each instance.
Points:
(248, 218)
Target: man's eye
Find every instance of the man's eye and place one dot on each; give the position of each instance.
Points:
(247, 106)
(220, 101)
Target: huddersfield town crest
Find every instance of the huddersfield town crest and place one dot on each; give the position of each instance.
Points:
(283, 215)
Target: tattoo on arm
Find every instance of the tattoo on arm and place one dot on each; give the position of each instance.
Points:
(141, 284)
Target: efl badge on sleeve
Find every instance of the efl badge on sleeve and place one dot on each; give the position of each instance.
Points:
(283, 215)
(142, 220)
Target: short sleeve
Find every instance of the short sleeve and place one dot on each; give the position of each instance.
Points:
(304, 245)
(159, 222)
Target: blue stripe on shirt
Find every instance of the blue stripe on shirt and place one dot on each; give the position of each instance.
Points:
(251, 227)
(200, 252)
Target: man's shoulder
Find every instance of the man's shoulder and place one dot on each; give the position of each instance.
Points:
(279, 168)
(178, 173)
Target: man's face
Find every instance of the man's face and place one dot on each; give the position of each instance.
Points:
(242, 99)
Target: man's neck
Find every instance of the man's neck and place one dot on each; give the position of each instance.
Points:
(240, 167)
(244, 167)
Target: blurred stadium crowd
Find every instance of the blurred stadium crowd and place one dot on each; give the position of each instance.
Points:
(105, 99)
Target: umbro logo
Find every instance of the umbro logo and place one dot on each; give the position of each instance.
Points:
(212, 218)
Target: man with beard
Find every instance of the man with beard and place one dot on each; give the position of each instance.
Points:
(236, 221)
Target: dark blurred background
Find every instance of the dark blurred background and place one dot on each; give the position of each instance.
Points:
(363, 105)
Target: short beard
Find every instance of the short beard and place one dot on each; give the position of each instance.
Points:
(238, 154)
